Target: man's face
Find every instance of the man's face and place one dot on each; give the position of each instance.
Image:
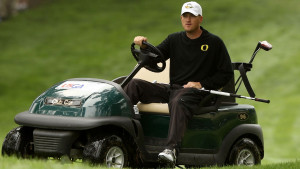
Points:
(190, 22)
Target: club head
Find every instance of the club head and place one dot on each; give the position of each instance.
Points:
(265, 45)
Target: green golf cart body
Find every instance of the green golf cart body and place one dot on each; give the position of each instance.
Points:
(94, 120)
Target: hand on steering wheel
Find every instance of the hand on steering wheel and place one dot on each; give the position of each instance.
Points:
(149, 57)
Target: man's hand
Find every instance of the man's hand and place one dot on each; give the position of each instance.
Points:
(138, 40)
(193, 85)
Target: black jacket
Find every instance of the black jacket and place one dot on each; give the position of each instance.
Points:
(203, 60)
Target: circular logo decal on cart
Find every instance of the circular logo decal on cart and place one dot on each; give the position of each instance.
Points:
(242, 116)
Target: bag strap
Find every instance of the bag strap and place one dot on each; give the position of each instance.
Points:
(243, 72)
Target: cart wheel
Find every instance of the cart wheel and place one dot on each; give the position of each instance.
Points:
(17, 142)
(109, 150)
(244, 152)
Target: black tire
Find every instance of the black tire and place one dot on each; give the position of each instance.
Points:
(244, 152)
(109, 151)
(17, 142)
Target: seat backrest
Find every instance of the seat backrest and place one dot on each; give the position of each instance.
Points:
(161, 77)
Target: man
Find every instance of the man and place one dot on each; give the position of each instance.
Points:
(198, 59)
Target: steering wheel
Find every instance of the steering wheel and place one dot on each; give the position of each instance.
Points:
(149, 58)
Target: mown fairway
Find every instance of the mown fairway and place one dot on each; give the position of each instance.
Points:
(72, 38)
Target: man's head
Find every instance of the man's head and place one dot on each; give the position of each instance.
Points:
(191, 16)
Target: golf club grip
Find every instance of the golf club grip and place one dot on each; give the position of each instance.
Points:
(262, 100)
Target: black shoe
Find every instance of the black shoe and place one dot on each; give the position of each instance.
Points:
(168, 157)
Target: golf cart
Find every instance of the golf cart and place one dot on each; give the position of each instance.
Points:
(94, 120)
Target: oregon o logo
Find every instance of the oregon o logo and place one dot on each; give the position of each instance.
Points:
(204, 47)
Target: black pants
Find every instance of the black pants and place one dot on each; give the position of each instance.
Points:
(182, 103)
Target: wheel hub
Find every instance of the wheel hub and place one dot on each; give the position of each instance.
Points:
(245, 157)
(115, 157)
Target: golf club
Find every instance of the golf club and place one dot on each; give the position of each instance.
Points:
(261, 45)
(234, 95)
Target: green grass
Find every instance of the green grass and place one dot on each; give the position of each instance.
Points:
(72, 38)
(14, 163)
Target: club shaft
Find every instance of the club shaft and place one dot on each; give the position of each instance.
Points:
(235, 95)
